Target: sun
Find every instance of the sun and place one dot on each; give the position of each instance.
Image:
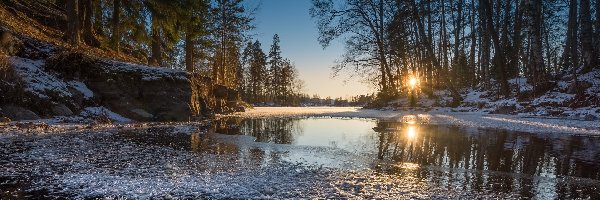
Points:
(413, 82)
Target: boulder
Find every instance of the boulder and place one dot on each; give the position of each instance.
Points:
(233, 95)
(4, 120)
(507, 109)
(221, 92)
(580, 87)
(61, 110)
(19, 113)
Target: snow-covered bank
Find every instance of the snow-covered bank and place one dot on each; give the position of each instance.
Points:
(440, 116)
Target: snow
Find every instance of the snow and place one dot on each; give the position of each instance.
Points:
(37, 80)
(148, 73)
(521, 83)
(553, 97)
(81, 87)
(93, 112)
(442, 116)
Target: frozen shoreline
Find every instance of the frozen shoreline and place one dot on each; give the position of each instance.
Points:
(439, 116)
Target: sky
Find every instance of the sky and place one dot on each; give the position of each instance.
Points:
(290, 19)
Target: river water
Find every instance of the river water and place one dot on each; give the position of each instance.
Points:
(299, 157)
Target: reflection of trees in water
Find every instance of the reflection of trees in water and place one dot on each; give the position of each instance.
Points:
(271, 130)
(278, 130)
(492, 150)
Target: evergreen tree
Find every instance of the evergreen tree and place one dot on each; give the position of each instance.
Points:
(275, 63)
(230, 22)
(257, 73)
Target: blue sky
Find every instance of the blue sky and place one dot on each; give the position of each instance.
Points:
(298, 33)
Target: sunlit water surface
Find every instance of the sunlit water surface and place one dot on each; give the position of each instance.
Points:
(300, 157)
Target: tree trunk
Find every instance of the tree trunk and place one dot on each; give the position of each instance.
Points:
(382, 50)
(484, 61)
(597, 42)
(88, 26)
(444, 41)
(587, 47)
(458, 27)
(499, 56)
(116, 26)
(517, 39)
(98, 17)
(536, 60)
(472, 63)
(73, 26)
(156, 57)
(189, 53)
(504, 40)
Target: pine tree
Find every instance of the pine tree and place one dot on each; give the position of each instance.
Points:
(275, 70)
(257, 73)
(231, 22)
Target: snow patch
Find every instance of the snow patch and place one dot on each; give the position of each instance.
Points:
(148, 73)
(38, 81)
(81, 87)
(90, 112)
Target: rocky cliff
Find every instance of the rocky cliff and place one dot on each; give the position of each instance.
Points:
(40, 80)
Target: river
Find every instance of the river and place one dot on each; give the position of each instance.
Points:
(292, 157)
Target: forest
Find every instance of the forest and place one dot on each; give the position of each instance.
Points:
(448, 45)
(454, 45)
(209, 38)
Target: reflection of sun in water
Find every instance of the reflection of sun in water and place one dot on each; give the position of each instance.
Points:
(409, 166)
(411, 132)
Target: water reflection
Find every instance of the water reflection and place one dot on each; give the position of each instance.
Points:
(434, 146)
(166, 137)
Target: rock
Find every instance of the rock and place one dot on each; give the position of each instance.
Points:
(142, 115)
(19, 113)
(4, 120)
(9, 45)
(579, 87)
(221, 92)
(508, 109)
(590, 117)
(61, 110)
(235, 106)
(156, 94)
(233, 95)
